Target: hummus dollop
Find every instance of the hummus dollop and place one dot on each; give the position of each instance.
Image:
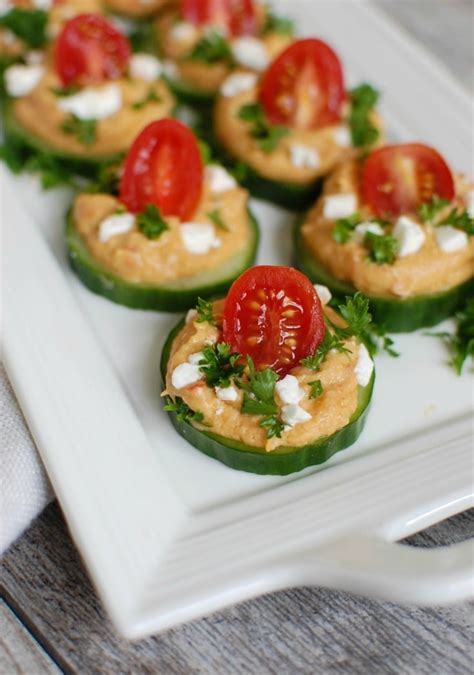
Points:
(426, 272)
(134, 257)
(330, 412)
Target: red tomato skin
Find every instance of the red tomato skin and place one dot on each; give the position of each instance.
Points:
(238, 17)
(273, 314)
(163, 167)
(383, 188)
(90, 50)
(310, 66)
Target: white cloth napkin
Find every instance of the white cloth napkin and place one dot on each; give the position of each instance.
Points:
(24, 486)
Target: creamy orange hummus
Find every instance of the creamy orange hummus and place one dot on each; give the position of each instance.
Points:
(426, 272)
(204, 77)
(39, 114)
(329, 412)
(134, 257)
(234, 135)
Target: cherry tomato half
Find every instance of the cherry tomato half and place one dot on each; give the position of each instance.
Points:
(398, 178)
(90, 50)
(163, 167)
(238, 17)
(304, 86)
(273, 315)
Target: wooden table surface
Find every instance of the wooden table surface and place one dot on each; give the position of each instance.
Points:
(52, 621)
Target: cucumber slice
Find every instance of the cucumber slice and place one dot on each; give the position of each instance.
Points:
(397, 316)
(279, 462)
(88, 166)
(172, 297)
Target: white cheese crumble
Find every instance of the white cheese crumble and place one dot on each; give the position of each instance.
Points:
(20, 79)
(470, 203)
(340, 206)
(450, 239)
(183, 31)
(304, 157)
(199, 238)
(93, 103)
(324, 293)
(34, 58)
(361, 230)
(117, 223)
(145, 67)
(364, 367)
(170, 69)
(342, 136)
(410, 236)
(251, 53)
(191, 315)
(42, 4)
(5, 7)
(195, 358)
(289, 390)
(185, 374)
(238, 83)
(292, 414)
(227, 393)
(219, 179)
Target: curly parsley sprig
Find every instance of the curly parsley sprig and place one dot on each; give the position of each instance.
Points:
(259, 399)
(151, 223)
(212, 48)
(28, 25)
(461, 343)
(220, 364)
(183, 412)
(363, 101)
(268, 135)
(204, 311)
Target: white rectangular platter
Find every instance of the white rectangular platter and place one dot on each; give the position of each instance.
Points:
(168, 534)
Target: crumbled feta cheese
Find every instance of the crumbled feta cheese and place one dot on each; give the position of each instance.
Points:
(183, 31)
(227, 393)
(185, 374)
(362, 229)
(34, 58)
(170, 69)
(470, 203)
(289, 390)
(410, 236)
(117, 223)
(324, 293)
(304, 157)
(340, 206)
(364, 367)
(219, 179)
(195, 358)
(191, 315)
(5, 7)
(93, 103)
(238, 83)
(292, 414)
(42, 4)
(450, 239)
(199, 238)
(342, 136)
(251, 53)
(20, 79)
(145, 67)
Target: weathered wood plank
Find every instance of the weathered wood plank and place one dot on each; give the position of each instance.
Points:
(303, 631)
(19, 652)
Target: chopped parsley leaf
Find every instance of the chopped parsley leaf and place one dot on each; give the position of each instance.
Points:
(216, 218)
(331, 340)
(461, 220)
(83, 130)
(69, 90)
(316, 389)
(220, 365)
(382, 248)
(151, 223)
(204, 311)
(183, 412)
(259, 399)
(212, 48)
(428, 210)
(27, 24)
(344, 228)
(150, 97)
(363, 100)
(278, 24)
(461, 343)
(267, 135)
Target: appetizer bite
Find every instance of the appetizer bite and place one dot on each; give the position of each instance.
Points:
(271, 379)
(175, 230)
(29, 24)
(205, 41)
(397, 226)
(293, 126)
(88, 104)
